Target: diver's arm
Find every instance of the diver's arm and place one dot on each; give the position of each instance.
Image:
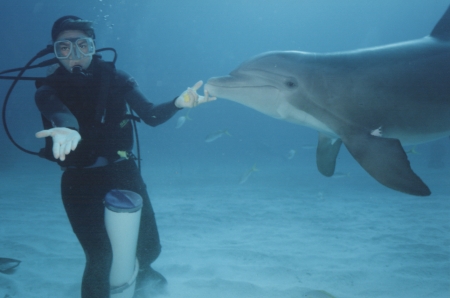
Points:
(65, 132)
(53, 109)
(151, 114)
(157, 114)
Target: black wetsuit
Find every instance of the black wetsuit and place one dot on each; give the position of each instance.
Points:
(74, 102)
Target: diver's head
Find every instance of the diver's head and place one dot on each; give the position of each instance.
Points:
(72, 23)
(73, 41)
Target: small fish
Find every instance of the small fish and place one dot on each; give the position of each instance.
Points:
(291, 154)
(309, 147)
(340, 175)
(412, 151)
(247, 174)
(182, 119)
(7, 264)
(215, 135)
(318, 294)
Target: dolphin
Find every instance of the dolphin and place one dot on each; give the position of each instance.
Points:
(373, 100)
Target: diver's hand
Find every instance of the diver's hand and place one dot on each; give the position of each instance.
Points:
(190, 98)
(64, 140)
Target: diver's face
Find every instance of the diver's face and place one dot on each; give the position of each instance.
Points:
(83, 61)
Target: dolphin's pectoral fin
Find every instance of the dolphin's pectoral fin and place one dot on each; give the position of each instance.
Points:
(386, 161)
(327, 151)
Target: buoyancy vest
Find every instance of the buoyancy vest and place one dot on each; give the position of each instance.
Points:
(97, 100)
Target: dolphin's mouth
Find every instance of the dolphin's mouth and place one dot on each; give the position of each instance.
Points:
(218, 86)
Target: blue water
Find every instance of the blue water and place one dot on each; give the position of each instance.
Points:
(168, 45)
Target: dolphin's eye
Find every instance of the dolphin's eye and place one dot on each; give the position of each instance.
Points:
(290, 84)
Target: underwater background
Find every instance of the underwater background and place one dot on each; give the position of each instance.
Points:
(168, 45)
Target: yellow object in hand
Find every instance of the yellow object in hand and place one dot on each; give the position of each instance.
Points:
(122, 154)
(186, 97)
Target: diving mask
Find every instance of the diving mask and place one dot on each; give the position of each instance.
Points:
(74, 48)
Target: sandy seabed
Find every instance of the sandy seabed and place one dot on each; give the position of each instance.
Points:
(283, 233)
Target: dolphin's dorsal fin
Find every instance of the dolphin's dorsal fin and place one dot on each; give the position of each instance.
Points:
(442, 28)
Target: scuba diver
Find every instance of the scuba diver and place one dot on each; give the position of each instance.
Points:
(84, 105)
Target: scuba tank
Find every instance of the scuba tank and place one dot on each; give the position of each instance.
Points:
(122, 219)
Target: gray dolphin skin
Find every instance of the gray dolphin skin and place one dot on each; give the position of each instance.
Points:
(373, 100)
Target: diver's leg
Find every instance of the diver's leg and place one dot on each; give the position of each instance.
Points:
(149, 246)
(148, 250)
(83, 193)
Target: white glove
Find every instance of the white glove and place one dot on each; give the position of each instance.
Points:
(190, 98)
(64, 140)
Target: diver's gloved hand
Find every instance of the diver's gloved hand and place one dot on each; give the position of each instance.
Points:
(64, 140)
(190, 98)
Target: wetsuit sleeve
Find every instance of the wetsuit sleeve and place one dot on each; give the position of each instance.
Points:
(151, 114)
(53, 109)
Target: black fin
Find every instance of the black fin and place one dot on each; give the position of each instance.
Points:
(386, 161)
(442, 28)
(326, 154)
(7, 264)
